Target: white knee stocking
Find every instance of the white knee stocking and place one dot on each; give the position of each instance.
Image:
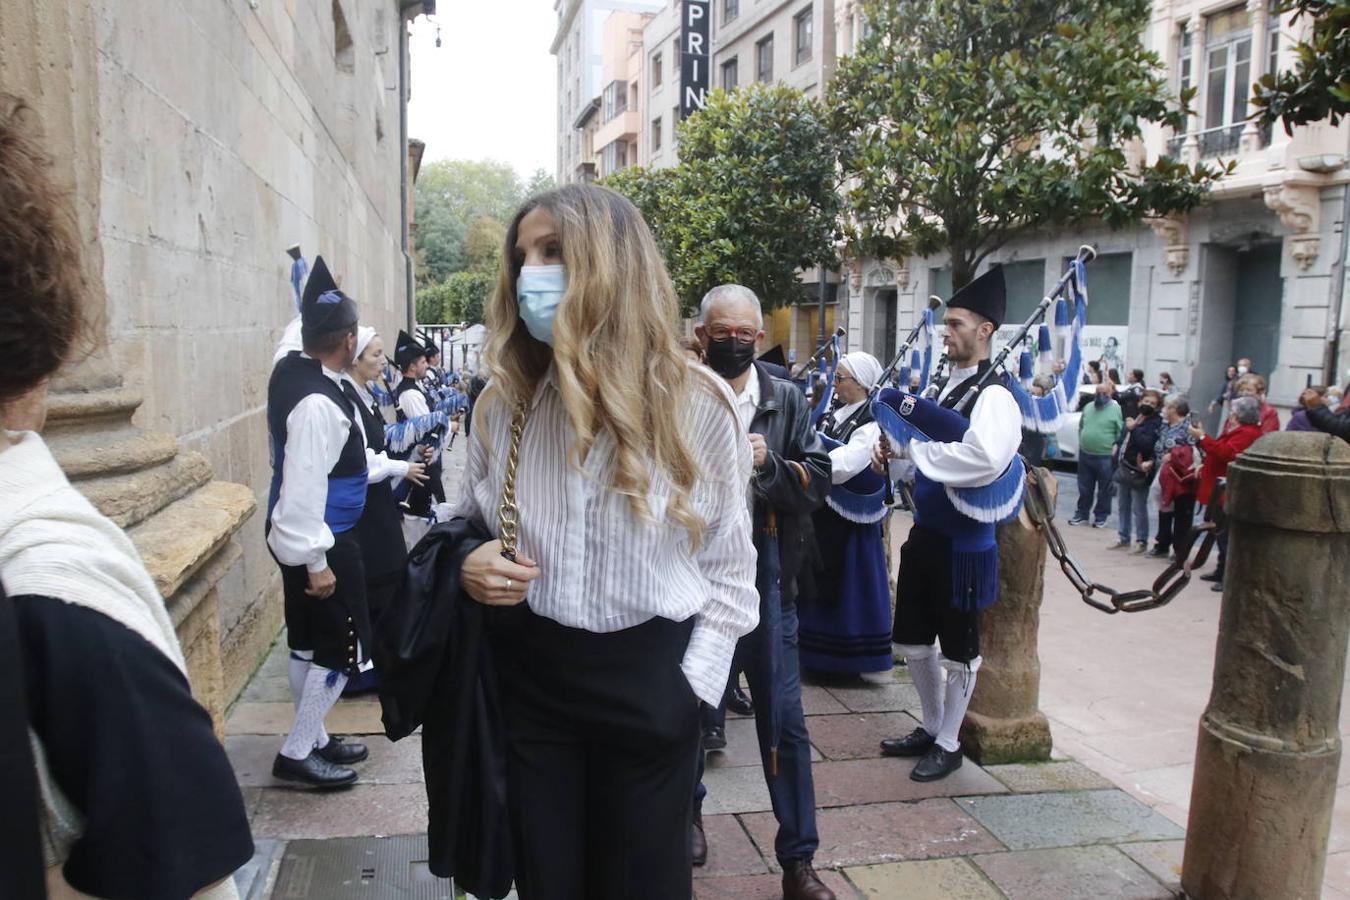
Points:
(323, 688)
(923, 668)
(296, 671)
(960, 686)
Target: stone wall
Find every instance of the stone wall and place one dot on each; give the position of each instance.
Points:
(226, 134)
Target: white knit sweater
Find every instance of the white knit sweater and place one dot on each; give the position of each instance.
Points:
(53, 543)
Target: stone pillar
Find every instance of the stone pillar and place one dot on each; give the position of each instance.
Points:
(1251, 134)
(180, 519)
(1269, 746)
(1190, 148)
(1004, 723)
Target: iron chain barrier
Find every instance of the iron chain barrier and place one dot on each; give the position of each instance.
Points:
(1041, 511)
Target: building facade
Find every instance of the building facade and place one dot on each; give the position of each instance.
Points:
(615, 141)
(191, 170)
(578, 45)
(1252, 273)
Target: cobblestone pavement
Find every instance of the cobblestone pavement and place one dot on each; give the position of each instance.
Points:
(1104, 819)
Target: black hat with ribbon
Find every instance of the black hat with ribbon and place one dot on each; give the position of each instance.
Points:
(323, 308)
(407, 350)
(986, 295)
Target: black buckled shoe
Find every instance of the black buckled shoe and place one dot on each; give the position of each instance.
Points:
(916, 743)
(313, 771)
(714, 737)
(739, 703)
(938, 762)
(698, 841)
(340, 753)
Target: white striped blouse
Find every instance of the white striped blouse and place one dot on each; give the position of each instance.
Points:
(603, 568)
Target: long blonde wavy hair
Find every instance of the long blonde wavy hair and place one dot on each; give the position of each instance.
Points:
(620, 367)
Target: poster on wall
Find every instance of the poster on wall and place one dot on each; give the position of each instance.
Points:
(1107, 343)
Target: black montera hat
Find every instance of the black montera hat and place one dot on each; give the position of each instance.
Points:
(407, 351)
(986, 295)
(325, 309)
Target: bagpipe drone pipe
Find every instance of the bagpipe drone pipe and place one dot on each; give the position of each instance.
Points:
(1070, 298)
(905, 417)
(867, 497)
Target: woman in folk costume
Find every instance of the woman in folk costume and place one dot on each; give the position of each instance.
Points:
(846, 627)
(628, 470)
(380, 528)
(111, 777)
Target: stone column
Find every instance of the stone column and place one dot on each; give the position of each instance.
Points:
(1269, 747)
(180, 519)
(1251, 135)
(1190, 148)
(1004, 723)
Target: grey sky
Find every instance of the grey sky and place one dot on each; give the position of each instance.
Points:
(488, 92)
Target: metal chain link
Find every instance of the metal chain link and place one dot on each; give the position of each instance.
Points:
(1041, 511)
(508, 514)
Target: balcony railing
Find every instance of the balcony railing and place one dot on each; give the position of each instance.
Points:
(1225, 140)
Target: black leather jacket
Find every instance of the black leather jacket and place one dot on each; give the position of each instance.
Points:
(789, 492)
(1325, 419)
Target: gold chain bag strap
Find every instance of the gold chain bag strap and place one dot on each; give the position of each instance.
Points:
(508, 514)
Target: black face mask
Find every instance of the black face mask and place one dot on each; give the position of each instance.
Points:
(1147, 410)
(730, 357)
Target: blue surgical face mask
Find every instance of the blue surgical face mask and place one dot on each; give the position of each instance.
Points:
(1101, 400)
(539, 290)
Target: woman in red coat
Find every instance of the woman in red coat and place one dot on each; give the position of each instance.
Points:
(1221, 451)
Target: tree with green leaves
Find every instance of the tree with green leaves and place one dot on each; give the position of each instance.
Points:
(967, 121)
(449, 197)
(1319, 86)
(753, 200)
(433, 304)
(539, 182)
(467, 295)
(483, 245)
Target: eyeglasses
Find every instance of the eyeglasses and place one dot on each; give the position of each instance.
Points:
(744, 335)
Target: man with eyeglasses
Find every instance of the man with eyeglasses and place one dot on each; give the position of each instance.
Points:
(790, 481)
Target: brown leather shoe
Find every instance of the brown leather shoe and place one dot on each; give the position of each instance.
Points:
(800, 882)
(698, 840)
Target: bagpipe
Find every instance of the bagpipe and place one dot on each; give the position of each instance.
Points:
(905, 417)
(805, 373)
(866, 498)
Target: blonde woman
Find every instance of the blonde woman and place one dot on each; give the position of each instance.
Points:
(634, 572)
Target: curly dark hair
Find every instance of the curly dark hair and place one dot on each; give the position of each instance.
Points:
(41, 283)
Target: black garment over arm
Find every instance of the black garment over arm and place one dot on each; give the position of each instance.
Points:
(135, 754)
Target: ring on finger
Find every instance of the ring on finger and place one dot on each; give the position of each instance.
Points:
(508, 584)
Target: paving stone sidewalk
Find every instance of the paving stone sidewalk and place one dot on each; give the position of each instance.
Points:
(1081, 827)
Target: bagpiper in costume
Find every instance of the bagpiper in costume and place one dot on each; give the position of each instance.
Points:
(317, 495)
(961, 456)
(414, 404)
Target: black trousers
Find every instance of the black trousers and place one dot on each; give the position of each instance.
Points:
(337, 628)
(602, 740)
(923, 599)
(1174, 527)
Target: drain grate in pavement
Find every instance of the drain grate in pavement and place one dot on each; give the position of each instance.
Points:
(359, 869)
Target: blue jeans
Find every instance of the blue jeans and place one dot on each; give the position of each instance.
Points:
(1133, 503)
(792, 792)
(1094, 476)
